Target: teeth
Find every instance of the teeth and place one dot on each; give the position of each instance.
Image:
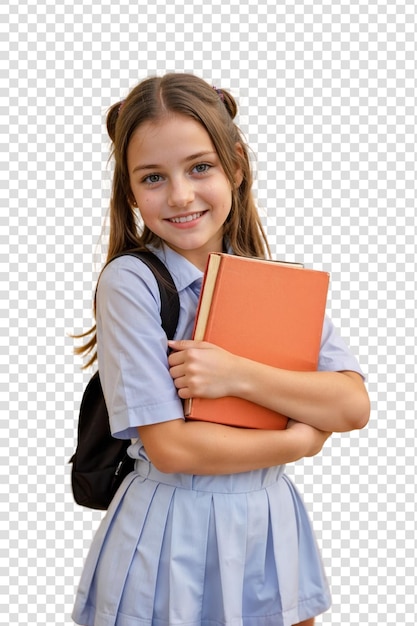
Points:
(188, 218)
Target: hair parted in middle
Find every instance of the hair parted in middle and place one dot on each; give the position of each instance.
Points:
(215, 109)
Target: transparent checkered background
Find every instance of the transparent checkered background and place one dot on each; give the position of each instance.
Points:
(328, 99)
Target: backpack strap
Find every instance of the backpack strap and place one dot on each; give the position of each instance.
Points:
(170, 302)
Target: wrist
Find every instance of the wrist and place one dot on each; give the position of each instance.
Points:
(240, 378)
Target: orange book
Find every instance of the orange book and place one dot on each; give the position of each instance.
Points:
(266, 311)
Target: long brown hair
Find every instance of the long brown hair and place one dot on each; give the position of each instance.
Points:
(215, 110)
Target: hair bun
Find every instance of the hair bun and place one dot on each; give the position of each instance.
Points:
(112, 116)
(229, 102)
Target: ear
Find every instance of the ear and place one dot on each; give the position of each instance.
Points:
(131, 199)
(240, 157)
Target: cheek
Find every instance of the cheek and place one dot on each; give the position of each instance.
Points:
(146, 212)
(221, 194)
(145, 202)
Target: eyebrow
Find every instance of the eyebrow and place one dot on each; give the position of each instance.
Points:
(192, 157)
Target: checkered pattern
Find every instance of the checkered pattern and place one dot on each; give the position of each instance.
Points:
(327, 93)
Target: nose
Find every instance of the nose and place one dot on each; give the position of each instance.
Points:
(181, 193)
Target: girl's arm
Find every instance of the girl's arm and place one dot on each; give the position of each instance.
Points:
(205, 448)
(329, 401)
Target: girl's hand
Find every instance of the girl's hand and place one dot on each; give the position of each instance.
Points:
(313, 439)
(201, 370)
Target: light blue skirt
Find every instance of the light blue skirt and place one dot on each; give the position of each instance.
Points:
(235, 550)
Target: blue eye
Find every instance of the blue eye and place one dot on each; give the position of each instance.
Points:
(201, 168)
(152, 179)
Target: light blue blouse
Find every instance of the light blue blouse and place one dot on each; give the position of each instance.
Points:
(132, 347)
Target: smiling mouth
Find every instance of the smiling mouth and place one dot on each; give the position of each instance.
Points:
(186, 218)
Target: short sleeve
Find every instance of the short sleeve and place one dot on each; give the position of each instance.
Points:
(132, 349)
(335, 356)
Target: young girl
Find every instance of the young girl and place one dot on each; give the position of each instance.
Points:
(208, 530)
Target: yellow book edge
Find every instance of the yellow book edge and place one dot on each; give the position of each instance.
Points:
(204, 309)
(207, 296)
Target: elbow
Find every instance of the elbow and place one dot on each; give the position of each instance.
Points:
(166, 460)
(359, 413)
(360, 421)
(163, 443)
(167, 464)
(355, 407)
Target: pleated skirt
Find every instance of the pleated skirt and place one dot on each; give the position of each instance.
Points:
(174, 549)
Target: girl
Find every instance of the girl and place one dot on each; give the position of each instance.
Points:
(208, 530)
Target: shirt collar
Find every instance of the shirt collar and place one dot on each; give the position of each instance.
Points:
(183, 271)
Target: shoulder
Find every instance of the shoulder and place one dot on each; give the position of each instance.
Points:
(126, 266)
(127, 274)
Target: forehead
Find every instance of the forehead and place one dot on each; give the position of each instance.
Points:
(174, 135)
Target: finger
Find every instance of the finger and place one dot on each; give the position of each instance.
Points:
(180, 383)
(176, 372)
(184, 393)
(181, 344)
(175, 358)
(187, 344)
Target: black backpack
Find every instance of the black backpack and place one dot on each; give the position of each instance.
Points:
(100, 462)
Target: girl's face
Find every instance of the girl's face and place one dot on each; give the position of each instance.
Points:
(180, 186)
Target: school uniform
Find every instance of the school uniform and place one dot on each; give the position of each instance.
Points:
(176, 549)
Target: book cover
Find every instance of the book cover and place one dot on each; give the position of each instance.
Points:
(266, 311)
